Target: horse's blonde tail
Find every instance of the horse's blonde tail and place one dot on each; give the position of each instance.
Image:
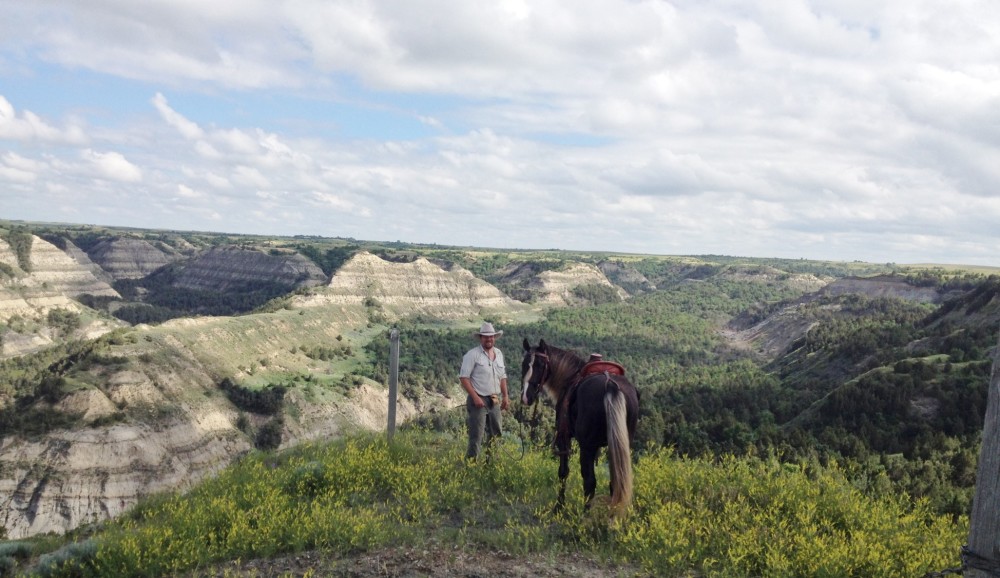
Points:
(619, 451)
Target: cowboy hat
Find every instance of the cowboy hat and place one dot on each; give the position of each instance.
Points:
(486, 329)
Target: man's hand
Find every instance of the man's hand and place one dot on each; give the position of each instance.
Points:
(477, 400)
(505, 403)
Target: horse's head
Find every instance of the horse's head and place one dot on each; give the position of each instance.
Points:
(534, 371)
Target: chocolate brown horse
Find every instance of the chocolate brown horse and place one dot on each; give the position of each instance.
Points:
(595, 404)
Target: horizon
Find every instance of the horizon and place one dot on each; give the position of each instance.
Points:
(928, 265)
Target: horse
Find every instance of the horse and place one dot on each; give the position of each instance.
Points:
(595, 404)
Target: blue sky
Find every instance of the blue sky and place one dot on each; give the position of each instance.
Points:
(824, 129)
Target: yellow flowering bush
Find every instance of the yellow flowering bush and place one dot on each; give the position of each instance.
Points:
(731, 517)
(744, 517)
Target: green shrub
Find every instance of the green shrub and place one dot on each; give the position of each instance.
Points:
(63, 320)
(20, 241)
(19, 550)
(110, 419)
(71, 560)
(308, 480)
(269, 435)
(267, 401)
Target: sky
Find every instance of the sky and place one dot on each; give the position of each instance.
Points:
(842, 130)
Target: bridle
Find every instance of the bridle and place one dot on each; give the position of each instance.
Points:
(546, 369)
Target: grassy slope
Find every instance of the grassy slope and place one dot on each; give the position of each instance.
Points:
(734, 517)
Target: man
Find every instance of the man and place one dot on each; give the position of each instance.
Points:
(484, 378)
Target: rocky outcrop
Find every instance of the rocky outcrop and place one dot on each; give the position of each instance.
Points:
(53, 274)
(775, 333)
(765, 275)
(128, 258)
(54, 279)
(772, 335)
(73, 477)
(556, 287)
(882, 286)
(84, 261)
(54, 271)
(419, 287)
(170, 424)
(224, 268)
(628, 278)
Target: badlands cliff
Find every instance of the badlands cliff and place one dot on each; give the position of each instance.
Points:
(883, 286)
(127, 258)
(28, 297)
(420, 286)
(160, 422)
(626, 277)
(556, 287)
(225, 268)
(52, 272)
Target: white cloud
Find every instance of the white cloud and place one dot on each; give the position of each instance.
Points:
(27, 126)
(187, 192)
(188, 129)
(821, 127)
(250, 177)
(17, 169)
(12, 174)
(217, 182)
(112, 166)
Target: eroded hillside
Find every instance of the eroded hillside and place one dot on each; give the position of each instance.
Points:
(37, 305)
(129, 258)
(227, 268)
(156, 408)
(772, 332)
(419, 286)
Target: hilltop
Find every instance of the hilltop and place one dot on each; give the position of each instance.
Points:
(146, 361)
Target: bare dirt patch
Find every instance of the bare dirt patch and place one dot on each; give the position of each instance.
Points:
(432, 561)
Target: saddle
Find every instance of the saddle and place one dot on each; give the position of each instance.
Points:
(601, 366)
(564, 428)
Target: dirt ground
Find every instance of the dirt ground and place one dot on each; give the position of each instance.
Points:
(409, 562)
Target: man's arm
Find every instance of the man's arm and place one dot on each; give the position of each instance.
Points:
(504, 399)
(467, 386)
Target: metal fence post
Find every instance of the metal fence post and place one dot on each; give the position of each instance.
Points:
(393, 379)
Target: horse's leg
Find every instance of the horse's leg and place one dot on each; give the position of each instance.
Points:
(588, 455)
(563, 474)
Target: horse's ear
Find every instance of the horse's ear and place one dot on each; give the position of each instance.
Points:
(541, 346)
(527, 346)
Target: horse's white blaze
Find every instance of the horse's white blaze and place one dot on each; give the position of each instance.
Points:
(526, 380)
